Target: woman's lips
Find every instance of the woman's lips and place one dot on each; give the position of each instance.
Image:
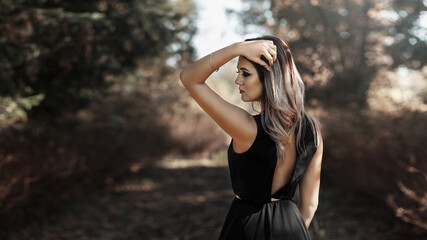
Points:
(242, 91)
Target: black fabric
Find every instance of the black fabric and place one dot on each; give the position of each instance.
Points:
(251, 173)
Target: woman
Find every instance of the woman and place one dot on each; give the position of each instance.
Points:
(269, 153)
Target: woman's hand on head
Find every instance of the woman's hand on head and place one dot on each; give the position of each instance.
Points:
(253, 50)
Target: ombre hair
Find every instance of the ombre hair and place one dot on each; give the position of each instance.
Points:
(283, 99)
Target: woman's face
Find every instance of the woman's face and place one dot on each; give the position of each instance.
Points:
(248, 81)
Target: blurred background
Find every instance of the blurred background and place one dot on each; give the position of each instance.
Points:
(100, 140)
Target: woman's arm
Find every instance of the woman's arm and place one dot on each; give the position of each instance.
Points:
(235, 121)
(310, 185)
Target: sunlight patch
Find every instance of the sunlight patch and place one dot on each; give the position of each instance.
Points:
(187, 163)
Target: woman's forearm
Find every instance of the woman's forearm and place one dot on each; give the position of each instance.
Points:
(307, 214)
(199, 71)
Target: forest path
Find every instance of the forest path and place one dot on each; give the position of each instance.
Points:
(189, 199)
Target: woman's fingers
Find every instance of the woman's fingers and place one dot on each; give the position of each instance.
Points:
(270, 52)
(260, 50)
(262, 63)
(269, 57)
(274, 51)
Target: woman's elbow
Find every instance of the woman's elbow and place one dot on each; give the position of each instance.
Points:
(309, 208)
(181, 76)
(313, 208)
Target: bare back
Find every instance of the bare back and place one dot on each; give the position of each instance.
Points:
(284, 167)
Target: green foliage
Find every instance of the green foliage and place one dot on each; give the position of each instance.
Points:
(70, 51)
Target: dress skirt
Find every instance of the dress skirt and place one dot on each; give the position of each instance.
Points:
(269, 221)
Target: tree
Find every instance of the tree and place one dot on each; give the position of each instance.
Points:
(341, 45)
(68, 52)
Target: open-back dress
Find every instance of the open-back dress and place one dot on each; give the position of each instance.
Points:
(255, 216)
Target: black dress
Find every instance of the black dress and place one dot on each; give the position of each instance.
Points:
(255, 216)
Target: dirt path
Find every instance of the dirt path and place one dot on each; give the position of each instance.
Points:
(189, 199)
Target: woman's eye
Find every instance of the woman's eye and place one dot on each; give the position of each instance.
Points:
(245, 74)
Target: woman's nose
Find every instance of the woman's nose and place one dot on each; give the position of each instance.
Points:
(238, 81)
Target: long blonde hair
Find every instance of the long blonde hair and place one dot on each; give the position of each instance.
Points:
(283, 99)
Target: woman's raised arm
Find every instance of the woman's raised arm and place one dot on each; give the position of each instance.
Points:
(235, 121)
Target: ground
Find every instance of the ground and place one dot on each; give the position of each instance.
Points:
(183, 199)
